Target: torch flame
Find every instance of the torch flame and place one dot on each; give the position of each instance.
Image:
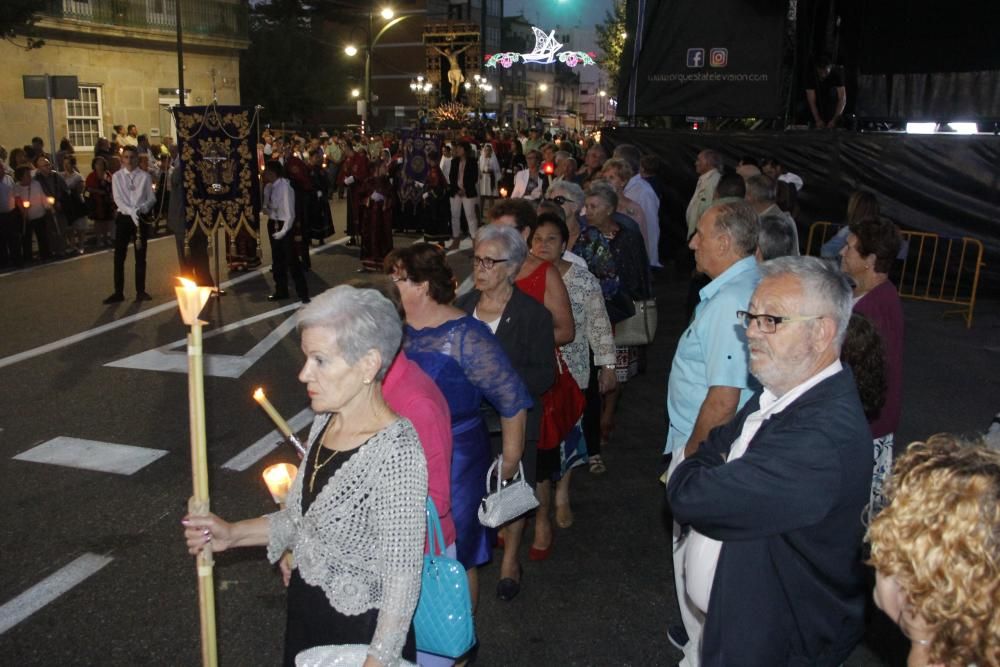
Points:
(258, 394)
(187, 283)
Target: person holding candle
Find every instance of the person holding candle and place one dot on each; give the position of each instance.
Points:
(35, 208)
(354, 520)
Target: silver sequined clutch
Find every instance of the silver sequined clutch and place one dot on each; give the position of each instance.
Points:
(505, 502)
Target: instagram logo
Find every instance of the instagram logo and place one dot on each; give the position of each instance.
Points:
(696, 58)
(718, 57)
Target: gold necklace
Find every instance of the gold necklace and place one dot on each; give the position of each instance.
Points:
(317, 466)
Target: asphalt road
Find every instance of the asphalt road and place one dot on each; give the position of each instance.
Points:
(92, 566)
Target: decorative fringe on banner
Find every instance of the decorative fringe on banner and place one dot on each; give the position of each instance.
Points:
(218, 149)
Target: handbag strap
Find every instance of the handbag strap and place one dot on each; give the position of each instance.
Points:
(435, 536)
(498, 465)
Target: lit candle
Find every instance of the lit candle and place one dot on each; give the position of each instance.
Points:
(282, 425)
(503, 192)
(279, 479)
(51, 201)
(26, 204)
(191, 299)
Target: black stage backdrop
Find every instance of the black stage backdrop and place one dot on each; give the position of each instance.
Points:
(945, 184)
(691, 57)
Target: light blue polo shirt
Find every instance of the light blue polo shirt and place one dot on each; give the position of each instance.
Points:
(712, 351)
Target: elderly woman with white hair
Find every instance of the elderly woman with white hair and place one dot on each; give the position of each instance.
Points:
(354, 520)
(524, 328)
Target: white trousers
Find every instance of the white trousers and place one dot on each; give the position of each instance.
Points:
(469, 204)
(691, 616)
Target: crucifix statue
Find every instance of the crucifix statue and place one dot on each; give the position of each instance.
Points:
(455, 76)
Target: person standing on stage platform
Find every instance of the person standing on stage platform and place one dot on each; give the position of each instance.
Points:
(826, 94)
(279, 206)
(132, 190)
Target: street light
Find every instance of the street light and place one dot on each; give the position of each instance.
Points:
(370, 41)
(422, 89)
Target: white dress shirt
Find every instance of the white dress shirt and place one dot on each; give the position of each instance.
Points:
(133, 192)
(35, 196)
(702, 553)
(641, 192)
(279, 205)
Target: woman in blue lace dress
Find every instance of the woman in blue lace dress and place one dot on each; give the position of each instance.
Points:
(468, 364)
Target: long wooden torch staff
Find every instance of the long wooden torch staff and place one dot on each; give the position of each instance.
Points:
(192, 299)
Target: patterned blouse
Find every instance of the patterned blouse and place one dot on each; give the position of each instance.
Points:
(593, 328)
(362, 538)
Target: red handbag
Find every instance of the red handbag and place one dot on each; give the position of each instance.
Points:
(562, 407)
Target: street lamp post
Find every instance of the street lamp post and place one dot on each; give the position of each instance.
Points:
(422, 89)
(370, 42)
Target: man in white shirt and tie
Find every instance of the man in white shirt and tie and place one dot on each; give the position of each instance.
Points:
(132, 189)
(279, 207)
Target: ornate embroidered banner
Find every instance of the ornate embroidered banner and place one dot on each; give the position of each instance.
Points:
(417, 152)
(218, 150)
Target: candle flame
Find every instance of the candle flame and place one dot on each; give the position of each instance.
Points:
(186, 282)
(258, 394)
(26, 204)
(278, 479)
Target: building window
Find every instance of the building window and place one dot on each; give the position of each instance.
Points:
(83, 117)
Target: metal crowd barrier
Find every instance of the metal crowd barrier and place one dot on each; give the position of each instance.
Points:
(936, 268)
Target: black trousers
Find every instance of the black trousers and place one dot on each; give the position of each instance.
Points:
(11, 227)
(283, 259)
(125, 233)
(40, 227)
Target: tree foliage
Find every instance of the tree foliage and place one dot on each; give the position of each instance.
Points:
(611, 41)
(17, 19)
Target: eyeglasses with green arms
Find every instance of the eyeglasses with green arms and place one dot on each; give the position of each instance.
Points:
(769, 323)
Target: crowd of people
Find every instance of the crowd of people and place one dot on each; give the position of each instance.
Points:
(50, 210)
(783, 400)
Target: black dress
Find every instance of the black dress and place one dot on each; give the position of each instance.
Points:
(312, 620)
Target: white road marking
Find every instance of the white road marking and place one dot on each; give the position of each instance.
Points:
(72, 258)
(268, 443)
(217, 365)
(50, 588)
(92, 455)
(97, 331)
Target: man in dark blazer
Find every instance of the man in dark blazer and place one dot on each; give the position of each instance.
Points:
(463, 180)
(774, 498)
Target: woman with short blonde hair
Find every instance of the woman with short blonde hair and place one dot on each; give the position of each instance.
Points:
(936, 552)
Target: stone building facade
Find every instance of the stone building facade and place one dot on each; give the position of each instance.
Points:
(124, 54)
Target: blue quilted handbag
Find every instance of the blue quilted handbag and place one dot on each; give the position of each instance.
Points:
(443, 620)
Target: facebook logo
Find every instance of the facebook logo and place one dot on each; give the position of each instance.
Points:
(696, 57)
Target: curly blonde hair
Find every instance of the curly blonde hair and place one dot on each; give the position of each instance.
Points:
(940, 538)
